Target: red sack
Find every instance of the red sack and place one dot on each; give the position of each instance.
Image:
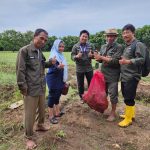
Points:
(65, 89)
(96, 97)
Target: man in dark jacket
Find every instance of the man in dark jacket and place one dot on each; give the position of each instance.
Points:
(131, 68)
(110, 54)
(30, 67)
(82, 55)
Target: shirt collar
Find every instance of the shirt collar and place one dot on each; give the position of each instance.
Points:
(33, 48)
(131, 42)
(111, 45)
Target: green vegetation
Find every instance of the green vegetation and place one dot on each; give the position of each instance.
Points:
(13, 40)
(146, 79)
(7, 66)
(9, 94)
(11, 121)
(8, 90)
(60, 134)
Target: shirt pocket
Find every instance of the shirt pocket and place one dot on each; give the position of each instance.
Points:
(111, 52)
(129, 54)
(33, 62)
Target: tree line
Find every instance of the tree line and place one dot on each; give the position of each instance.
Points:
(11, 40)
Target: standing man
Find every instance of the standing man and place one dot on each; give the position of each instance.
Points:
(131, 63)
(82, 55)
(30, 67)
(110, 54)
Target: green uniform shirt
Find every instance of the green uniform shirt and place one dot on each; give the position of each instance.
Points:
(111, 70)
(137, 57)
(84, 64)
(30, 70)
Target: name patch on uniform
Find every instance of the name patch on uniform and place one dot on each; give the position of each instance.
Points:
(32, 57)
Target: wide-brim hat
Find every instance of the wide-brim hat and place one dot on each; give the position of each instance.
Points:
(111, 32)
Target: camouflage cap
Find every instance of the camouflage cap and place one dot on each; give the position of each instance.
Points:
(111, 32)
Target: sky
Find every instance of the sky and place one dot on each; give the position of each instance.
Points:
(69, 17)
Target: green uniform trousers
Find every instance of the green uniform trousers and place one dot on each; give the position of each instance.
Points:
(34, 109)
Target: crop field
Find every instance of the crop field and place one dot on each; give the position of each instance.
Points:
(81, 128)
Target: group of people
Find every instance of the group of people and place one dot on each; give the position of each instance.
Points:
(117, 63)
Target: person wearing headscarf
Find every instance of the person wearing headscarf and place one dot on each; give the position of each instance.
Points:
(56, 77)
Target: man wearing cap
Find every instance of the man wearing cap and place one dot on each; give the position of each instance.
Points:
(110, 54)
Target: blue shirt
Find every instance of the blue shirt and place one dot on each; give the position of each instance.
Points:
(54, 77)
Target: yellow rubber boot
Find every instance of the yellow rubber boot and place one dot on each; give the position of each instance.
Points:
(128, 117)
(133, 115)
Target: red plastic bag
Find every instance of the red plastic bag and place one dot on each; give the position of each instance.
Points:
(65, 89)
(96, 97)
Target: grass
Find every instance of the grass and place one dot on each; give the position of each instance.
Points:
(9, 128)
(7, 79)
(9, 57)
(8, 62)
(10, 94)
(146, 79)
(60, 134)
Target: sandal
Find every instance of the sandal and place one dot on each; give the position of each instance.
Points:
(60, 114)
(53, 120)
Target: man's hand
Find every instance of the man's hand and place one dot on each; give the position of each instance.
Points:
(54, 60)
(106, 59)
(79, 55)
(124, 61)
(61, 66)
(97, 57)
(23, 91)
(90, 54)
(95, 52)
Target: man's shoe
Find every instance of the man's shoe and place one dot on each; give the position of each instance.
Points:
(42, 128)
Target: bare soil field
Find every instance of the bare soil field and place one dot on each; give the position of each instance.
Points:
(80, 128)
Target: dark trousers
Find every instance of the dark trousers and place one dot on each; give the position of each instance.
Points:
(53, 97)
(80, 80)
(129, 91)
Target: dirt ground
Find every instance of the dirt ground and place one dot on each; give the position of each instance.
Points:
(143, 92)
(81, 128)
(6, 92)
